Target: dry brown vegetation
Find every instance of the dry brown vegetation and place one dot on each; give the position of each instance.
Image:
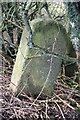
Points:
(63, 105)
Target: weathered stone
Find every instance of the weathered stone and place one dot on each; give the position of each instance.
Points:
(30, 75)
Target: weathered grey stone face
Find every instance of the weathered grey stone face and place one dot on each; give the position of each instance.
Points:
(38, 72)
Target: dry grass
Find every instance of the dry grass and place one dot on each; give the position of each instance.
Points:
(63, 105)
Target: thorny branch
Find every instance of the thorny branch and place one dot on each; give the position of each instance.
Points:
(26, 21)
(33, 46)
(28, 29)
